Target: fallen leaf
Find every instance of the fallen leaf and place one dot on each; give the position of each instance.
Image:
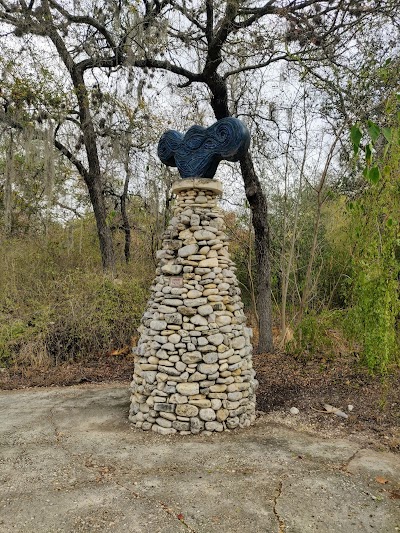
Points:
(395, 494)
(122, 351)
(381, 480)
(180, 516)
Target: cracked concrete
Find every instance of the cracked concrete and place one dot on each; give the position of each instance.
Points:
(71, 462)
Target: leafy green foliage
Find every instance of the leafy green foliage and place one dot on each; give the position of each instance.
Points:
(375, 263)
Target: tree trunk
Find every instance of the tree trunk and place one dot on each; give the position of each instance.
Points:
(258, 205)
(103, 231)
(125, 219)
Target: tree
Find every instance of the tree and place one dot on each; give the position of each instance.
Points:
(216, 45)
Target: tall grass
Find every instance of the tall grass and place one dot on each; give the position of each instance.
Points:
(55, 302)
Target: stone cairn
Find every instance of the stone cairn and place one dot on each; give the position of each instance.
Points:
(193, 364)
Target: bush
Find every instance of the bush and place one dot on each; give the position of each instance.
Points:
(56, 304)
(322, 335)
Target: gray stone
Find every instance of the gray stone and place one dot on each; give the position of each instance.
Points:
(190, 249)
(195, 302)
(232, 423)
(174, 318)
(158, 325)
(216, 339)
(205, 310)
(238, 343)
(207, 414)
(191, 357)
(176, 302)
(165, 407)
(150, 377)
(196, 425)
(169, 370)
(163, 422)
(181, 426)
(214, 426)
(204, 235)
(199, 320)
(210, 357)
(161, 430)
(172, 269)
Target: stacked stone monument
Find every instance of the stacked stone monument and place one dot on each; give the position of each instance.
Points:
(193, 365)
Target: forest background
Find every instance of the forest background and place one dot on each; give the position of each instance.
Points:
(88, 87)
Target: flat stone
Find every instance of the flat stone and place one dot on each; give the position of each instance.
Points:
(194, 294)
(209, 263)
(205, 310)
(204, 235)
(163, 422)
(190, 249)
(176, 302)
(181, 426)
(202, 402)
(188, 389)
(214, 426)
(195, 302)
(191, 357)
(205, 368)
(165, 407)
(166, 309)
(218, 388)
(169, 370)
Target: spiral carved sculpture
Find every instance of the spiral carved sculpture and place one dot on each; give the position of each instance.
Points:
(198, 152)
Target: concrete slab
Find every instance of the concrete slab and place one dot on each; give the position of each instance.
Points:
(71, 462)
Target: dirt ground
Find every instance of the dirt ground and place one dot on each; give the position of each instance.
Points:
(285, 382)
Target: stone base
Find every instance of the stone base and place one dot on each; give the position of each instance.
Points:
(193, 365)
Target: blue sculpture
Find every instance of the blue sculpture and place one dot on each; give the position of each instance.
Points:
(198, 152)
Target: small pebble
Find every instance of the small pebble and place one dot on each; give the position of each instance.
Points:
(294, 411)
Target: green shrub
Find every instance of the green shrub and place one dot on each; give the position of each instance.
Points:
(56, 304)
(322, 335)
